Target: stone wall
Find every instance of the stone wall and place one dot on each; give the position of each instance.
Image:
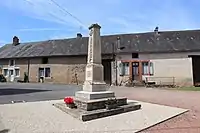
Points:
(63, 69)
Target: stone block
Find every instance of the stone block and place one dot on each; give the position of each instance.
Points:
(89, 105)
(94, 95)
(95, 114)
(95, 86)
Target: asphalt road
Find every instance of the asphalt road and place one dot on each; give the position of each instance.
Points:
(34, 92)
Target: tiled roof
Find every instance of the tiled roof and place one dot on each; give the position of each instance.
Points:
(170, 41)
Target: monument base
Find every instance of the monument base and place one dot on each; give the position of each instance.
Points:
(89, 105)
(93, 109)
(100, 113)
(95, 86)
(94, 95)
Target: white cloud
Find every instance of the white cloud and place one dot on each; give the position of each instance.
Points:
(2, 42)
(115, 16)
(40, 9)
(41, 29)
(167, 14)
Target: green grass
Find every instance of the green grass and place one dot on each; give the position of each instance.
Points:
(189, 88)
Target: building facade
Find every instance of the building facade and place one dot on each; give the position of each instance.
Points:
(170, 57)
(162, 68)
(53, 69)
(180, 68)
(61, 70)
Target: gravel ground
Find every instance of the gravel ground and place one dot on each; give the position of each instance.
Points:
(186, 123)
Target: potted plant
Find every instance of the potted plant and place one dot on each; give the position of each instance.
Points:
(69, 102)
(111, 103)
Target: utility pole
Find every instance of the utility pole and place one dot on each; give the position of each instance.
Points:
(114, 54)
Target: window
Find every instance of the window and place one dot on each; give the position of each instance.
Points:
(5, 72)
(41, 72)
(47, 72)
(124, 68)
(11, 62)
(151, 68)
(135, 55)
(11, 73)
(17, 72)
(145, 68)
(45, 60)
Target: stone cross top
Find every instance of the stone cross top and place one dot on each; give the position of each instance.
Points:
(94, 86)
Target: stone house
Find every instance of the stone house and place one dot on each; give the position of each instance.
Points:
(169, 57)
(53, 61)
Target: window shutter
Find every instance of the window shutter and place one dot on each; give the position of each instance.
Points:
(121, 69)
(151, 69)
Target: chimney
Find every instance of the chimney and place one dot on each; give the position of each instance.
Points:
(15, 41)
(156, 30)
(79, 35)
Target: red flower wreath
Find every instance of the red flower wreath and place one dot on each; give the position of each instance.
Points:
(68, 100)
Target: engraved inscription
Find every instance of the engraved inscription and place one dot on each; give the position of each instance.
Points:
(89, 74)
(90, 52)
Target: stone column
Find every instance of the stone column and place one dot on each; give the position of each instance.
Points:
(94, 86)
(94, 68)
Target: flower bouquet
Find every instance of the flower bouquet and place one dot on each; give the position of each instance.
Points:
(111, 103)
(69, 102)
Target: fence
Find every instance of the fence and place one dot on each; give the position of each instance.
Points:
(161, 80)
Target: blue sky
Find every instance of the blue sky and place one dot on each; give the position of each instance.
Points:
(35, 20)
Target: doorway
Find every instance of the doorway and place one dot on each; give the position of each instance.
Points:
(107, 70)
(139, 68)
(11, 75)
(196, 70)
(41, 75)
(135, 71)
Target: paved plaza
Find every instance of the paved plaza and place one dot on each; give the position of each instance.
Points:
(187, 122)
(34, 92)
(42, 117)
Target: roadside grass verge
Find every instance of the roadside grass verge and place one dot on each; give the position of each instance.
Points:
(188, 88)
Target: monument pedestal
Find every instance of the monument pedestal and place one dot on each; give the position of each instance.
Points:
(85, 115)
(90, 105)
(92, 86)
(94, 95)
